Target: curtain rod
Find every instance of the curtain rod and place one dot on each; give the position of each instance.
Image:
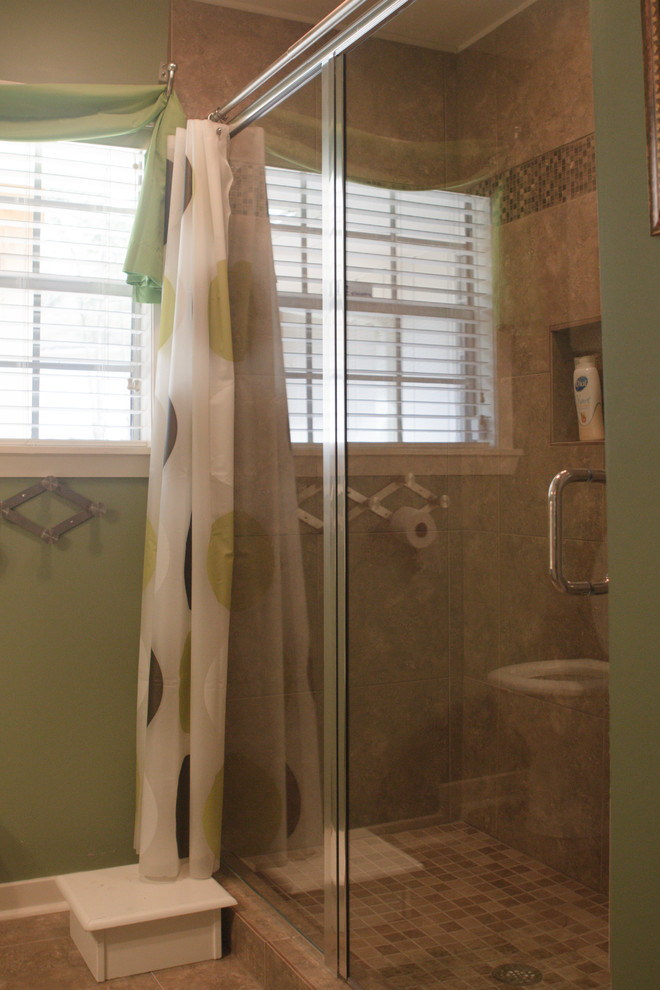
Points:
(366, 23)
(332, 20)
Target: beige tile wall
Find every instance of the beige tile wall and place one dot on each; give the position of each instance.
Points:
(218, 51)
(535, 772)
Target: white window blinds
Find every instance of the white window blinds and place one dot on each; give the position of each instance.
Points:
(419, 311)
(74, 347)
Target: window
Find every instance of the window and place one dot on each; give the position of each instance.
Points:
(419, 311)
(74, 347)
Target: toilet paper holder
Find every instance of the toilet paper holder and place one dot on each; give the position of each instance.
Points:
(374, 503)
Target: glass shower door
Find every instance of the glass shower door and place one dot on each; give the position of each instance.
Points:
(476, 693)
(433, 232)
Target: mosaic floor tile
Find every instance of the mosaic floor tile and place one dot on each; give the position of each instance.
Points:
(467, 905)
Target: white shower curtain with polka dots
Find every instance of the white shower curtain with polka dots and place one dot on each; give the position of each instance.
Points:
(189, 540)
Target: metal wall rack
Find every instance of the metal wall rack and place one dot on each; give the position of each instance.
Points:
(50, 534)
(371, 503)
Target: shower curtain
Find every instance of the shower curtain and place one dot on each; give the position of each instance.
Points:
(272, 773)
(189, 542)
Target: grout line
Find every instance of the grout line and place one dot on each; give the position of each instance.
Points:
(23, 943)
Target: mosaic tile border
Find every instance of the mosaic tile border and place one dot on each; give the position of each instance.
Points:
(555, 177)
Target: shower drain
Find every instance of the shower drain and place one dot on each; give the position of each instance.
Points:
(515, 975)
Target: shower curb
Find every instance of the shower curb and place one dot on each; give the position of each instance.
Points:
(272, 951)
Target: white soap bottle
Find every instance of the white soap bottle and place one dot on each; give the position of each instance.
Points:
(588, 398)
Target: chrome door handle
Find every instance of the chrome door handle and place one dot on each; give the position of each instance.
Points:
(557, 485)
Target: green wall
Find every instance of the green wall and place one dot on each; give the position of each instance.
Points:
(630, 276)
(100, 41)
(70, 624)
(70, 613)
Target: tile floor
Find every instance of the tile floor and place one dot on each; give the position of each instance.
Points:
(433, 908)
(458, 905)
(38, 954)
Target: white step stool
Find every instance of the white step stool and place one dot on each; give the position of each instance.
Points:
(123, 925)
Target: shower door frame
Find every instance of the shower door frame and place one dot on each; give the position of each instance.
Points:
(329, 63)
(335, 748)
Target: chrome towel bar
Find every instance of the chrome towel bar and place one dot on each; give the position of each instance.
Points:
(557, 486)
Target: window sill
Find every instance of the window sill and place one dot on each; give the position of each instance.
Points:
(22, 459)
(374, 459)
(37, 459)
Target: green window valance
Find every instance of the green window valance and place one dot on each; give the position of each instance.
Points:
(68, 112)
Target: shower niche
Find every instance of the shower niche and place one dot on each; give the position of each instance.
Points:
(567, 343)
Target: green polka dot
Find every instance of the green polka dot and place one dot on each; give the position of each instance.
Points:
(212, 815)
(150, 547)
(184, 686)
(240, 296)
(240, 561)
(219, 315)
(220, 558)
(166, 313)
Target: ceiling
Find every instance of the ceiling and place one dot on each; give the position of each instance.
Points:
(449, 25)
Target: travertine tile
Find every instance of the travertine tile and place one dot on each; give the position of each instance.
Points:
(479, 751)
(397, 762)
(398, 625)
(17, 931)
(56, 964)
(247, 947)
(481, 594)
(581, 246)
(474, 502)
(533, 291)
(524, 494)
(544, 86)
(477, 115)
(224, 974)
(205, 77)
(538, 623)
(408, 101)
(280, 976)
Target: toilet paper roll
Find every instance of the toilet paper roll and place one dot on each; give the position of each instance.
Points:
(414, 526)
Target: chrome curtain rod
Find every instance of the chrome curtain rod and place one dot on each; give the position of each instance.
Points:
(363, 25)
(332, 20)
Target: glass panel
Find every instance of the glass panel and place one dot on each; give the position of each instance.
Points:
(273, 825)
(477, 698)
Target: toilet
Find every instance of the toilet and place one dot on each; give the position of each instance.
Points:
(581, 683)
